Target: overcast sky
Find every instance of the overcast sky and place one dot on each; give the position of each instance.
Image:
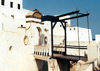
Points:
(56, 7)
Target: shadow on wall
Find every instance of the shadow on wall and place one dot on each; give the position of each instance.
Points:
(42, 65)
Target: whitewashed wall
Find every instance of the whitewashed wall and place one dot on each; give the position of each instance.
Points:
(0, 21)
(20, 57)
(72, 34)
(97, 37)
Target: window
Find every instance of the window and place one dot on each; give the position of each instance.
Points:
(2, 2)
(18, 6)
(74, 28)
(11, 4)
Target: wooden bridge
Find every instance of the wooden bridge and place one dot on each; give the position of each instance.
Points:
(62, 54)
(75, 53)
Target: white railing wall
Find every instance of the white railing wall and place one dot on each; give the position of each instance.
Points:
(42, 51)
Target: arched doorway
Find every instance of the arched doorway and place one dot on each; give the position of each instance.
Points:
(41, 36)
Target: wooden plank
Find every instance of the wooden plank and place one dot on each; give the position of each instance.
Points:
(72, 47)
(70, 57)
(70, 13)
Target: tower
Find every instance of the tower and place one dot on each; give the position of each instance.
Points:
(10, 11)
(12, 4)
(11, 7)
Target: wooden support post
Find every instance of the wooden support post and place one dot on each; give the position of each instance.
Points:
(68, 63)
(64, 27)
(51, 39)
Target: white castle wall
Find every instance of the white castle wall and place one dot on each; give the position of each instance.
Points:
(97, 37)
(72, 34)
(11, 18)
(0, 21)
(7, 10)
(19, 57)
(7, 22)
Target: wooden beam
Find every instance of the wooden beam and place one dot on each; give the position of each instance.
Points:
(75, 17)
(70, 13)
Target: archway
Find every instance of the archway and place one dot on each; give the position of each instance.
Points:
(41, 36)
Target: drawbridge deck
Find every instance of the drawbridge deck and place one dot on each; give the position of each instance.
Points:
(58, 53)
(70, 57)
(59, 56)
